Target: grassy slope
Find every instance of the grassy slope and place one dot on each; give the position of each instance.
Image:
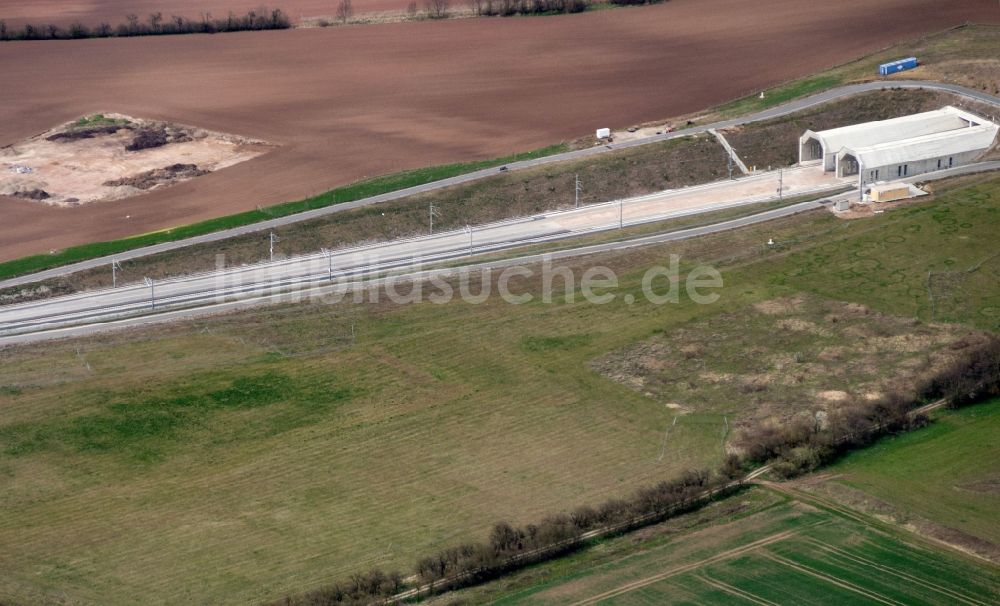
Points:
(929, 472)
(776, 142)
(138, 463)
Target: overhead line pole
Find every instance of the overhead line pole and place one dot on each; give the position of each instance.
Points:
(329, 258)
(272, 239)
(152, 292)
(433, 213)
(115, 268)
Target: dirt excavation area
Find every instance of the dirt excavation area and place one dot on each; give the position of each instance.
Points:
(113, 156)
(346, 103)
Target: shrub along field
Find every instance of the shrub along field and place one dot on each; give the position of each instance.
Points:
(758, 547)
(927, 473)
(251, 456)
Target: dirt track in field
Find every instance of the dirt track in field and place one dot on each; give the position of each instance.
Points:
(345, 103)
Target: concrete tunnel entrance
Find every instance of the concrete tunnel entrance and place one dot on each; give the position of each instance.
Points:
(847, 166)
(811, 150)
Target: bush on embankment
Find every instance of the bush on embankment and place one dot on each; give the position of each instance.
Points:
(511, 547)
(791, 448)
(802, 444)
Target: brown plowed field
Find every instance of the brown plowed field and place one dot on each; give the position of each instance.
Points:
(345, 103)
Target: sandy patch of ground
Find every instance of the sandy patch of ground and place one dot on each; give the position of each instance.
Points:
(778, 359)
(834, 395)
(780, 307)
(112, 157)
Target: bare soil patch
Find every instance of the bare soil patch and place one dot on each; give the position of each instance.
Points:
(989, 485)
(112, 157)
(782, 358)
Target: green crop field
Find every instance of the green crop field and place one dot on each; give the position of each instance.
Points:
(755, 548)
(928, 472)
(239, 458)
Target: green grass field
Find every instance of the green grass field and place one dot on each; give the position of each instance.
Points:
(240, 458)
(753, 548)
(928, 472)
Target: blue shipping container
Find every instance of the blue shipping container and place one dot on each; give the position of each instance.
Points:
(887, 69)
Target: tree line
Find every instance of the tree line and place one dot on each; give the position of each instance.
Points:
(154, 25)
(509, 8)
(802, 444)
(510, 547)
(793, 447)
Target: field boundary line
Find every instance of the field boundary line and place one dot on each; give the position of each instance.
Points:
(832, 580)
(732, 553)
(736, 591)
(897, 530)
(843, 554)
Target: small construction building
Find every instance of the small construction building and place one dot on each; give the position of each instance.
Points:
(889, 192)
(901, 147)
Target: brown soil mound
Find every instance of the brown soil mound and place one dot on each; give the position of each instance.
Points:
(32, 194)
(159, 176)
(157, 136)
(76, 134)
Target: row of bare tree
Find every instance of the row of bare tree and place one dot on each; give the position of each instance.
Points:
(792, 447)
(154, 25)
(803, 444)
(507, 8)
